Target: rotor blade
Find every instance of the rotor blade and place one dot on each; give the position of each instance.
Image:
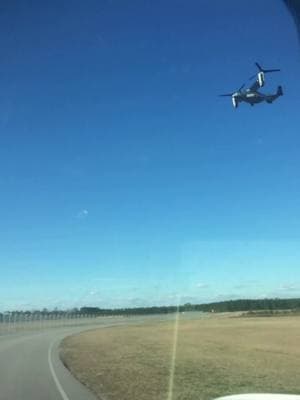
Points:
(271, 70)
(258, 66)
(261, 69)
(231, 94)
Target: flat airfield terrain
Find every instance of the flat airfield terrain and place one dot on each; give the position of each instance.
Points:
(215, 356)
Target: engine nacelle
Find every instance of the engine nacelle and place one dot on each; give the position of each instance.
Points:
(261, 79)
(235, 102)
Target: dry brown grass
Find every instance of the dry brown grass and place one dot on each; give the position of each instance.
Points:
(214, 357)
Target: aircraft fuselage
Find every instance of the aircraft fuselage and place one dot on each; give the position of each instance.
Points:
(254, 97)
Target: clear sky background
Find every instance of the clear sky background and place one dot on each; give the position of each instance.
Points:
(124, 179)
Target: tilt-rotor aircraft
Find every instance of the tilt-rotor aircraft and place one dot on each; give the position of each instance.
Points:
(252, 95)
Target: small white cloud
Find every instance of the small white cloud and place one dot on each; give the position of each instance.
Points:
(82, 214)
(202, 285)
(263, 296)
(289, 288)
(225, 297)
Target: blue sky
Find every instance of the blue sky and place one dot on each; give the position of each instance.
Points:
(124, 179)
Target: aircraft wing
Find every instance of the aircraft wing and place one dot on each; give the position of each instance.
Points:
(255, 86)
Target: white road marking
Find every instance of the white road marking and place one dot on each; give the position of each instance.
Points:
(57, 383)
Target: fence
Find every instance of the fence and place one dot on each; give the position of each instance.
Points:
(18, 322)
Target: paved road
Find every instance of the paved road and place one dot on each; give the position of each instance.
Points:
(30, 368)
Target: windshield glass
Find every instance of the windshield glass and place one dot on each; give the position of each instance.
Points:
(149, 179)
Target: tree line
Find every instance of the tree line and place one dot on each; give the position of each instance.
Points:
(220, 306)
(217, 307)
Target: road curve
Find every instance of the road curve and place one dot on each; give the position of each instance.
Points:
(30, 368)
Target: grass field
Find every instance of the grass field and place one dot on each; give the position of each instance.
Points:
(215, 357)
